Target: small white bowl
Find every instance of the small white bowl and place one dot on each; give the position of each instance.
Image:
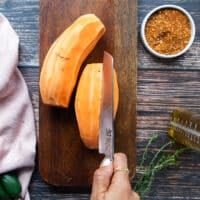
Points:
(143, 26)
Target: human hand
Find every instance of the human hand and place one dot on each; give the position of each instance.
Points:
(110, 184)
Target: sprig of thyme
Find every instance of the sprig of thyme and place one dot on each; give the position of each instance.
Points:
(160, 161)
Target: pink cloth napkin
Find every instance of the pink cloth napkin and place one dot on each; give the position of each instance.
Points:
(17, 129)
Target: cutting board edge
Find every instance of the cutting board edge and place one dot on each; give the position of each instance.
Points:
(52, 182)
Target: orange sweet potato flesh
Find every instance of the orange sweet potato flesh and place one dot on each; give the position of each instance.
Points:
(88, 103)
(62, 63)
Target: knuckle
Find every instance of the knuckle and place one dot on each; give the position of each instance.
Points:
(98, 174)
(125, 187)
(100, 197)
(122, 156)
(135, 196)
(97, 196)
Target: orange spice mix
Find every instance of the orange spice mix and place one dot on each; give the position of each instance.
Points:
(168, 31)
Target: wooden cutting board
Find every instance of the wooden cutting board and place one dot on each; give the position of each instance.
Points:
(63, 159)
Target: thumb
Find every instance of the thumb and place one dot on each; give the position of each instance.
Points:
(101, 181)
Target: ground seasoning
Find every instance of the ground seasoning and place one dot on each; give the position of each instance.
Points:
(168, 31)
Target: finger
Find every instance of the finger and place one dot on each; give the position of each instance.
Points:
(105, 162)
(101, 181)
(135, 196)
(120, 177)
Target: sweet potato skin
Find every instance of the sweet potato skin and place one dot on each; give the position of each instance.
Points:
(88, 103)
(62, 63)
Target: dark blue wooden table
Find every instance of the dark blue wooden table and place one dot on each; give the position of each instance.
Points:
(162, 87)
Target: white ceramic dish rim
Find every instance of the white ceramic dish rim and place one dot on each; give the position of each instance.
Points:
(193, 29)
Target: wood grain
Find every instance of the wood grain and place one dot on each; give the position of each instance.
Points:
(63, 159)
(24, 17)
(175, 183)
(150, 120)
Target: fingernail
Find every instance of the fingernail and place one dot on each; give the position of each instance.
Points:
(105, 162)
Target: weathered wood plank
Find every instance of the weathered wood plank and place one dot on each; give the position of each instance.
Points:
(24, 17)
(154, 101)
(55, 167)
(26, 25)
(166, 90)
(158, 92)
(189, 61)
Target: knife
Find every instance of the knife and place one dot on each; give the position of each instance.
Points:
(106, 135)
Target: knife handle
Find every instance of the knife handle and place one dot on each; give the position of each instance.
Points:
(106, 161)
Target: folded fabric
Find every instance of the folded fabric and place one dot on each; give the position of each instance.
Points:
(17, 128)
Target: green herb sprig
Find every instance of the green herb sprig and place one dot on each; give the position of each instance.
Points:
(159, 161)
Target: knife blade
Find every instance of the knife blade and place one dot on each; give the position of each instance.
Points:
(106, 135)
